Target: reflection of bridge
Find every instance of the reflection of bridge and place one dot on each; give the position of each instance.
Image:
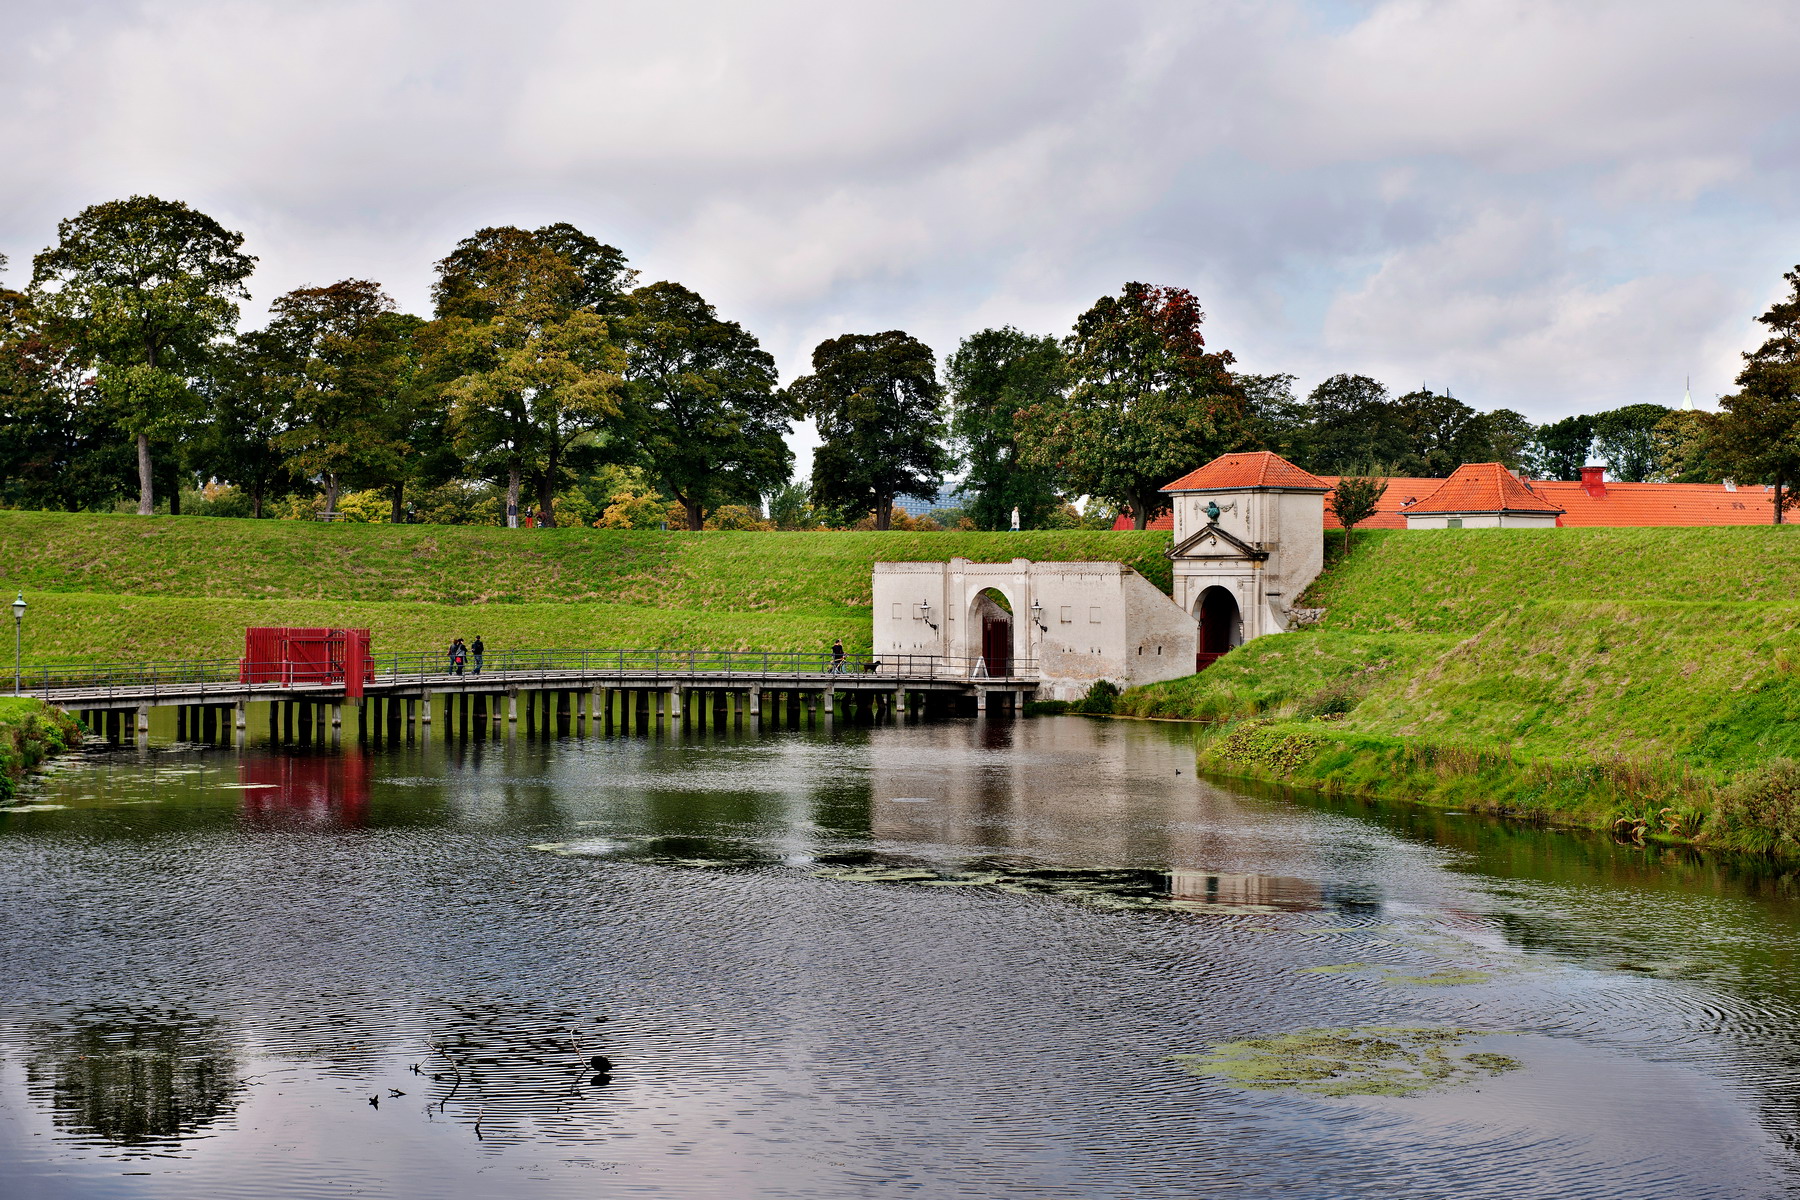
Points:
(562, 685)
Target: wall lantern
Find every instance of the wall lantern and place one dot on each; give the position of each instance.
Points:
(1037, 615)
(925, 612)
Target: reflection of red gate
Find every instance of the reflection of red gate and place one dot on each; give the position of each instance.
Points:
(996, 646)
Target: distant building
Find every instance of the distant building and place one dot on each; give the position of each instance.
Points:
(949, 496)
(1587, 502)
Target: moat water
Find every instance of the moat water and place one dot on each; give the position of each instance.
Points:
(950, 958)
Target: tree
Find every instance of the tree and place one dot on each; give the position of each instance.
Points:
(249, 407)
(57, 446)
(344, 356)
(1626, 439)
(1355, 500)
(1146, 400)
(1560, 449)
(994, 375)
(1440, 433)
(1352, 426)
(143, 289)
(1275, 419)
(1756, 434)
(531, 370)
(1509, 437)
(875, 398)
(703, 408)
(1683, 447)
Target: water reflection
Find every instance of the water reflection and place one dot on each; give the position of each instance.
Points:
(806, 959)
(134, 1078)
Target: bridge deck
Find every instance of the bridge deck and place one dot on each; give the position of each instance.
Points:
(131, 694)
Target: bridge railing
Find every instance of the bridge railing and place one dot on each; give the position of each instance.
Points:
(194, 679)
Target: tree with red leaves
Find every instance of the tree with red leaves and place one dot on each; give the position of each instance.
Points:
(1147, 401)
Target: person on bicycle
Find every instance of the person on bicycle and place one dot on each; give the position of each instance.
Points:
(837, 657)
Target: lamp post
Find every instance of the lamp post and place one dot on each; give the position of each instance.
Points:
(18, 637)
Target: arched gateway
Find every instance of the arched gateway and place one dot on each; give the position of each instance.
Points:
(1221, 626)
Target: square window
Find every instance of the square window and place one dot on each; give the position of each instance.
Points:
(897, 610)
(1094, 615)
(1453, 523)
(1068, 614)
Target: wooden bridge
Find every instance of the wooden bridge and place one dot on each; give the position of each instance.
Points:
(644, 688)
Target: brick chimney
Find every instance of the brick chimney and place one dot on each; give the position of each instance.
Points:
(1593, 479)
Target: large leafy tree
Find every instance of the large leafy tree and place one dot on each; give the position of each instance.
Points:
(1756, 434)
(1626, 438)
(530, 366)
(249, 407)
(703, 407)
(875, 398)
(993, 376)
(1439, 434)
(57, 447)
(144, 289)
(1559, 449)
(344, 356)
(1508, 437)
(1275, 419)
(1146, 402)
(1352, 427)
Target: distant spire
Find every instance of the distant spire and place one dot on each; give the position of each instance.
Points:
(1687, 399)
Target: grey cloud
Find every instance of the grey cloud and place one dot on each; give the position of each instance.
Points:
(1552, 205)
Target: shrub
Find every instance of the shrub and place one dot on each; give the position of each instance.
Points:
(1101, 698)
(1767, 801)
(1263, 744)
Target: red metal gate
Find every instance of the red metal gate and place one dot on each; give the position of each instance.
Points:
(296, 656)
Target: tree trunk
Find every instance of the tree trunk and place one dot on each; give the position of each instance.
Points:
(397, 515)
(547, 498)
(1140, 515)
(884, 513)
(146, 487)
(512, 496)
(696, 515)
(256, 494)
(331, 491)
(175, 496)
(1778, 517)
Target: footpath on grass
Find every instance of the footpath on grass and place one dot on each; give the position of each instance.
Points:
(1640, 680)
(105, 588)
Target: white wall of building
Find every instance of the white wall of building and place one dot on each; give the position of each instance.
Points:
(1093, 620)
(1487, 520)
(1286, 527)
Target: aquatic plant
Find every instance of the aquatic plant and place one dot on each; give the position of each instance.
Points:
(1370, 1060)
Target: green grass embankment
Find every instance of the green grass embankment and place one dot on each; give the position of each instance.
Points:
(106, 588)
(1578, 675)
(30, 732)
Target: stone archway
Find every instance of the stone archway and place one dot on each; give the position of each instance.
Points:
(991, 620)
(1221, 625)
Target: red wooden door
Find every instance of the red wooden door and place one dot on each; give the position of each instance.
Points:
(996, 646)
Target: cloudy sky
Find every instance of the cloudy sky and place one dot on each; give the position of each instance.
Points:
(1553, 207)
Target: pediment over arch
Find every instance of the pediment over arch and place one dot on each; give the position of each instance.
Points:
(1214, 542)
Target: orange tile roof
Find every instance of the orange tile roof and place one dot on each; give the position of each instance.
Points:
(1482, 488)
(1640, 504)
(1254, 469)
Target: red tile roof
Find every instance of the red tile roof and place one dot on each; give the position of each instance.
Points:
(1483, 488)
(1628, 504)
(1617, 505)
(1255, 469)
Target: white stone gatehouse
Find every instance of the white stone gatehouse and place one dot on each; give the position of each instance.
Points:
(1247, 543)
(1075, 622)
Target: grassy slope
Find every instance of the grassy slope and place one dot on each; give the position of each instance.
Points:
(1589, 671)
(117, 588)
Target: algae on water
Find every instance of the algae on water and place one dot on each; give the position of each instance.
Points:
(1370, 1060)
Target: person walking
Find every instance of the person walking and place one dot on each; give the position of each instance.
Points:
(458, 655)
(837, 657)
(477, 649)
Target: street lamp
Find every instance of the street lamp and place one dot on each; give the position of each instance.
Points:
(1037, 615)
(18, 635)
(925, 613)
